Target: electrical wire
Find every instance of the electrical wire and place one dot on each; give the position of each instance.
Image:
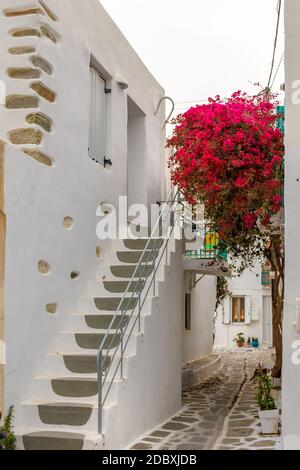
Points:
(191, 101)
(277, 70)
(279, 4)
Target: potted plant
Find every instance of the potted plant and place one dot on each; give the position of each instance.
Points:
(240, 340)
(268, 413)
(7, 436)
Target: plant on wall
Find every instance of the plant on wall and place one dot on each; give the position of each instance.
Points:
(222, 293)
(264, 396)
(7, 437)
(228, 156)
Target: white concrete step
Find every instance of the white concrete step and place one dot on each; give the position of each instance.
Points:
(114, 287)
(70, 364)
(81, 416)
(132, 257)
(89, 343)
(62, 388)
(106, 303)
(91, 322)
(36, 438)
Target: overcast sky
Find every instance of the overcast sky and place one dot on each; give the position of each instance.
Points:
(200, 48)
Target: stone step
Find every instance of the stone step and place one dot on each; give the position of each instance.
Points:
(88, 342)
(84, 364)
(142, 243)
(46, 414)
(87, 323)
(75, 387)
(117, 287)
(103, 322)
(114, 303)
(109, 288)
(127, 271)
(109, 304)
(53, 440)
(65, 414)
(94, 340)
(70, 364)
(134, 257)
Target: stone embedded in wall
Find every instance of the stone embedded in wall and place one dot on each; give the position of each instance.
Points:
(68, 223)
(25, 136)
(24, 32)
(24, 73)
(48, 11)
(23, 11)
(74, 275)
(21, 50)
(43, 91)
(44, 267)
(41, 120)
(21, 101)
(51, 308)
(49, 33)
(41, 63)
(39, 156)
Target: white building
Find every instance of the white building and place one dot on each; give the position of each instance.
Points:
(291, 320)
(247, 310)
(79, 128)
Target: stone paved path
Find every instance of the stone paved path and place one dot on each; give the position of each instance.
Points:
(219, 414)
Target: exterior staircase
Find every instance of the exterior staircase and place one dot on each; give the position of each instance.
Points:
(63, 412)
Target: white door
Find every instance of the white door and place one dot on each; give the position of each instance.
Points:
(267, 320)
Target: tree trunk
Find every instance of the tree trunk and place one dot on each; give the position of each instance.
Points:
(275, 257)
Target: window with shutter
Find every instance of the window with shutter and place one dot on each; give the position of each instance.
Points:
(241, 309)
(98, 117)
(227, 311)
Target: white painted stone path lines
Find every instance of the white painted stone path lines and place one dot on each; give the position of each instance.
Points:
(219, 414)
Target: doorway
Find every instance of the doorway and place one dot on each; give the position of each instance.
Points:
(267, 321)
(136, 155)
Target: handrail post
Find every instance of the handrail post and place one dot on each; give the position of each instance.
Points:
(100, 386)
(139, 312)
(122, 346)
(154, 278)
(167, 257)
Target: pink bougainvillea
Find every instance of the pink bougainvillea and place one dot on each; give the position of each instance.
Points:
(228, 155)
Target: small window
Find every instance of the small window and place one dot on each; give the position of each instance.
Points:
(98, 117)
(238, 309)
(188, 312)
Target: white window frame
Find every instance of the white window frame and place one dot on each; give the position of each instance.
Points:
(247, 303)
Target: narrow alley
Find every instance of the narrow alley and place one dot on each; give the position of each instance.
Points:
(220, 413)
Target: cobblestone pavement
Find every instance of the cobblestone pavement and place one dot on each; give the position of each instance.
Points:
(220, 414)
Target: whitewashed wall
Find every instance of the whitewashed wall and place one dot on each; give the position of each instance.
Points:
(249, 284)
(291, 364)
(37, 198)
(198, 342)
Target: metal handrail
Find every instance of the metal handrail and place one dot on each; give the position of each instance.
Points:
(143, 278)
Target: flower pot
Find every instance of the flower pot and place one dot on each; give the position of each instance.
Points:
(276, 382)
(240, 344)
(269, 421)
